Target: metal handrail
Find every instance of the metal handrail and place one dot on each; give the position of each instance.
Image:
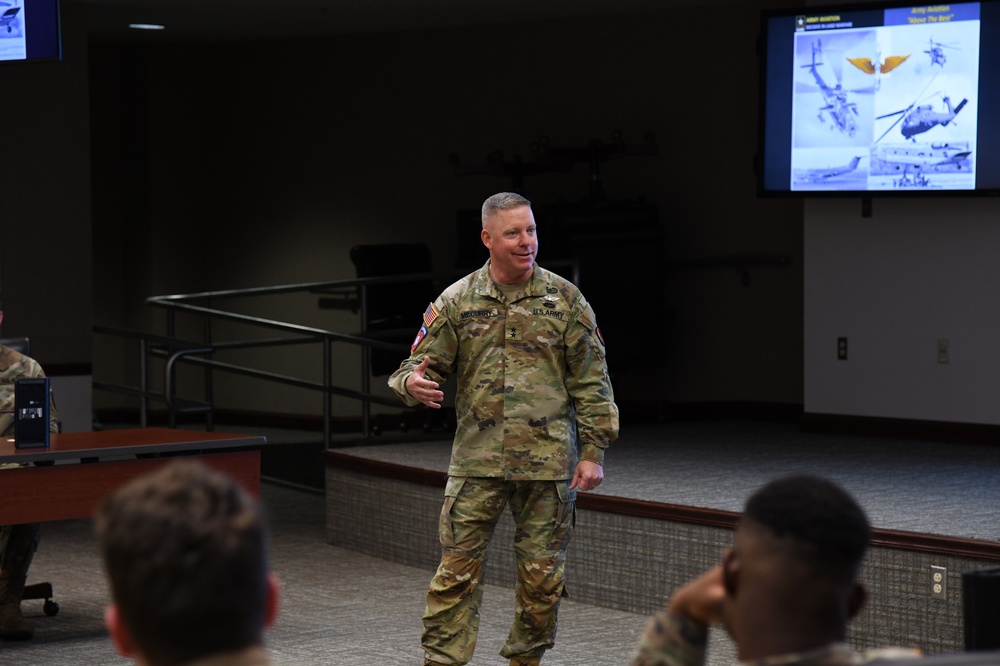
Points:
(169, 383)
(147, 346)
(201, 353)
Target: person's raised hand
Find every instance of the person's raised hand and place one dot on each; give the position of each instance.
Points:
(427, 391)
(701, 599)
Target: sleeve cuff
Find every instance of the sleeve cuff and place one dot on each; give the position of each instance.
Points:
(592, 453)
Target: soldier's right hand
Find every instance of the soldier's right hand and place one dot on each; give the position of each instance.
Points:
(425, 390)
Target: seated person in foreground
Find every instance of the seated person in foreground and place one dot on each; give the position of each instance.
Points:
(785, 592)
(185, 550)
(17, 542)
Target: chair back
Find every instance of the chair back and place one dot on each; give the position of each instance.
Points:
(22, 345)
(393, 306)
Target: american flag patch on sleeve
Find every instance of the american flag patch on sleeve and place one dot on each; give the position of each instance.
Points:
(430, 315)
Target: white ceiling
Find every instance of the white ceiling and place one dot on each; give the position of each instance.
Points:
(264, 19)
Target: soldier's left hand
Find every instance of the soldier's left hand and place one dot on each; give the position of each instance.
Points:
(588, 475)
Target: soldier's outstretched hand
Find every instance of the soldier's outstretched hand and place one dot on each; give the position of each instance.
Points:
(427, 391)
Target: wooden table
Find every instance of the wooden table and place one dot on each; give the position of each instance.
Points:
(70, 477)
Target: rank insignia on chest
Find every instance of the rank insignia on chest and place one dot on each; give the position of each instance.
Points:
(430, 315)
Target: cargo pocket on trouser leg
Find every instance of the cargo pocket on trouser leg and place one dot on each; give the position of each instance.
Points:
(446, 529)
(565, 523)
(451, 618)
(545, 526)
(567, 515)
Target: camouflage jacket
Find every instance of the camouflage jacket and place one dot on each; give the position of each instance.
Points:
(14, 366)
(533, 384)
(676, 640)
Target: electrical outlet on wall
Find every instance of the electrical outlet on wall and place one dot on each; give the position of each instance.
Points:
(939, 583)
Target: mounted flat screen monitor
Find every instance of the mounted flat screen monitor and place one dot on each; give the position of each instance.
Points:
(880, 98)
(29, 30)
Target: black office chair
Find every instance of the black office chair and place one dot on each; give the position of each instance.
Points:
(36, 590)
(393, 310)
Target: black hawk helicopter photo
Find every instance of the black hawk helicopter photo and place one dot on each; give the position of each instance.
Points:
(936, 52)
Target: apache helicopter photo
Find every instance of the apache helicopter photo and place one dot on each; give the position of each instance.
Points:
(919, 119)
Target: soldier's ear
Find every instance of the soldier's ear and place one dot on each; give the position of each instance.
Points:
(730, 572)
(118, 632)
(272, 602)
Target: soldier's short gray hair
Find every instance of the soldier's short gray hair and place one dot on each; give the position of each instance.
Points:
(502, 201)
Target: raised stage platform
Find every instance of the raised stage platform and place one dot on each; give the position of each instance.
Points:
(671, 496)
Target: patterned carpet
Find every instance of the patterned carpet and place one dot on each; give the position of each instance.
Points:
(338, 607)
(344, 608)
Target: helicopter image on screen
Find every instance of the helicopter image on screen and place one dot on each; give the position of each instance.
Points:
(837, 107)
(9, 17)
(919, 119)
(912, 163)
(936, 52)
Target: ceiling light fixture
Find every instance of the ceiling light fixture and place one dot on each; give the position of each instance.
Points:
(147, 26)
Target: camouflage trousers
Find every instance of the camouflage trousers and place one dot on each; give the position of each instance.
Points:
(543, 513)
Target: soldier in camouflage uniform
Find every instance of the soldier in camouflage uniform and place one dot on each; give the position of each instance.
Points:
(17, 542)
(535, 412)
(786, 590)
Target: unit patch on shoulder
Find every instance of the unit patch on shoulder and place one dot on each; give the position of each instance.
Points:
(420, 336)
(430, 314)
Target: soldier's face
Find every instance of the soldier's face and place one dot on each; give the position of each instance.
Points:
(511, 238)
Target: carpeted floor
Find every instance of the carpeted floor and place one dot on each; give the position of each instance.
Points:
(338, 607)
(344, 608)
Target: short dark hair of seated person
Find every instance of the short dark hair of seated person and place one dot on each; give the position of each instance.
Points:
(786, 590)
(185, 551)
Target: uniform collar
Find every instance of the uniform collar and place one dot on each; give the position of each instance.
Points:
(536, 286)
